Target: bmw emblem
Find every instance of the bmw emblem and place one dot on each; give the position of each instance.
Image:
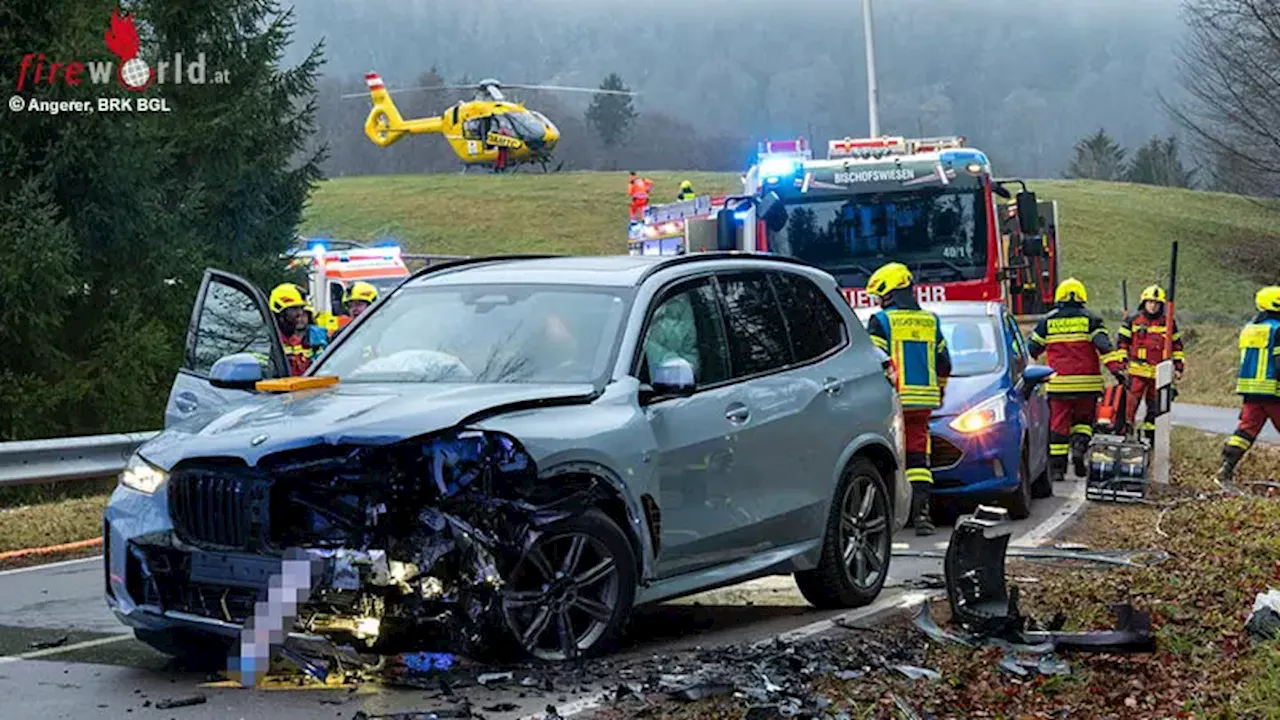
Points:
(258, 440)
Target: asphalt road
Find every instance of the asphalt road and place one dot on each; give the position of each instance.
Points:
(100, 671)
(1216, 420)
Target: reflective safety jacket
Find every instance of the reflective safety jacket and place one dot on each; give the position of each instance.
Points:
(1075, 341)
(913, 338)
(1142, 337)
(1260, 357)
(686, 195)
(298, 352)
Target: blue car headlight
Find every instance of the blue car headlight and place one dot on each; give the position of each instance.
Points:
(981, 417)
(142, 476)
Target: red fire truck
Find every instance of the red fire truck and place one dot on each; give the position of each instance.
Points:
(930, 203)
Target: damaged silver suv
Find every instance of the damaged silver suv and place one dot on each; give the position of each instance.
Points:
(514, 452)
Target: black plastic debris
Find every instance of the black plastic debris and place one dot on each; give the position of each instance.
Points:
(181, 702)
(985, 607)
(46, 644)
(703, 692)
(500, 707)
(1264, 620)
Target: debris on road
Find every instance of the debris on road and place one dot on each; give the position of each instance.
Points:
(986, 607)
(181, 702)
(918, 673)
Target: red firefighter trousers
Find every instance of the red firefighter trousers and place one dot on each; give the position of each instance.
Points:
(1254, 414)
(1070, 415)
(919, 446)
(1142, 388)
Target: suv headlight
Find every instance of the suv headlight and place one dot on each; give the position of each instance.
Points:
(142, 476)
(981, 417)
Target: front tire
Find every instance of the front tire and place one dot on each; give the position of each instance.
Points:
(1018, 502)
(570, 594)
(856, 545)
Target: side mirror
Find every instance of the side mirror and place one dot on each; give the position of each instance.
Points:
(726, 230)
(1032, 377)
(236, 372)
(673, 378)
(1028, 213)
(774, 212)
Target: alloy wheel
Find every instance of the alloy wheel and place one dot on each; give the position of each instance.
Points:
(864, 532)
(561, 595)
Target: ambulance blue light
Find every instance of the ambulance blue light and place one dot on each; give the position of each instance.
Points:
(777, 167)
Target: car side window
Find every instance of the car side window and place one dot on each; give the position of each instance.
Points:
(687, 325)
(230, 322)
(1017, 349)
(815, 326)
(758, 341)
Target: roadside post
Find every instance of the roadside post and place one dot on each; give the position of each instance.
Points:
(1164, 383)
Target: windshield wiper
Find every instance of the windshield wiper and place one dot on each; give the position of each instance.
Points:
(946, 263)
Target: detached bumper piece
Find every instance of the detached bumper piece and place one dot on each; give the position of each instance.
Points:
(1119, 469)
(986, 608)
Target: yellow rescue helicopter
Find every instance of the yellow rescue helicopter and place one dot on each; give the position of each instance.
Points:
(488, 130)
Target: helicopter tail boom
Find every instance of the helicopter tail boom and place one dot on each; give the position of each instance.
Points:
(384, 125)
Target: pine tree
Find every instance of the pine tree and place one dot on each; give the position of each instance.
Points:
(612, 114)
(1098, 157)
(1157, 163)
(242, 145)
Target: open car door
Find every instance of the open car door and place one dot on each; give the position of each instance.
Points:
(230, 317)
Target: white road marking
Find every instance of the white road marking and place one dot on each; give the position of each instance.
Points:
(47, 566)
(65, 648)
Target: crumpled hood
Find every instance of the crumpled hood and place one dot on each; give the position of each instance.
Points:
(363, 414)
(965, 392)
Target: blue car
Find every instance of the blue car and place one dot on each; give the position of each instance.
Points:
(991, 435)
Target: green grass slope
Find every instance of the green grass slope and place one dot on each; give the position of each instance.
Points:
(1110, 231)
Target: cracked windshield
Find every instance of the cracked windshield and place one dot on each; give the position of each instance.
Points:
(940, 235)
(479, 334)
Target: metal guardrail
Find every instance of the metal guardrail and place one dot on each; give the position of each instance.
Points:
(27, 462)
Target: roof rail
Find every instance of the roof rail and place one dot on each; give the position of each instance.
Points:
(722, 255)
(453, 264)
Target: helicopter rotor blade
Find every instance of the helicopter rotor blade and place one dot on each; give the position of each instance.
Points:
(413, 89)
(565, 88)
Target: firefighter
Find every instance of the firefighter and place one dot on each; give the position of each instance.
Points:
(1075, 341)
(1258, 380)
(1142, 339)
(358, 297)
(638, 189)
(913, 339)
(290, 308)
(686, 191)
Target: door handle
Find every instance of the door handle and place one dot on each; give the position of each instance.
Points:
(186, 402)
(737, 413)
(832, 386)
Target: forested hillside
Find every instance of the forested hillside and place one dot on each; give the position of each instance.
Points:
(1023, 79)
